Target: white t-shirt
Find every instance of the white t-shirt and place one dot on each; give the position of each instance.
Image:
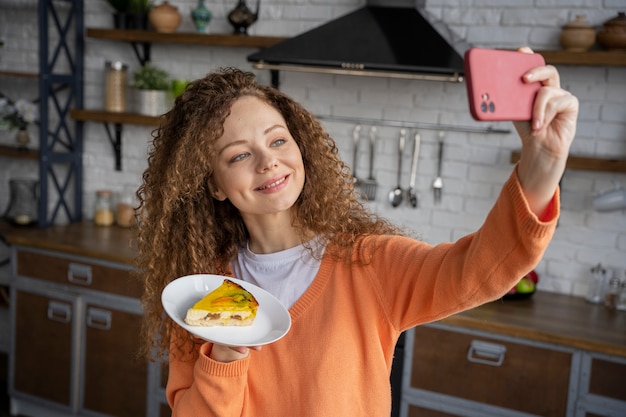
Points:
(285, 274)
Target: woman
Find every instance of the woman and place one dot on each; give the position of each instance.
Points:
(243, 181)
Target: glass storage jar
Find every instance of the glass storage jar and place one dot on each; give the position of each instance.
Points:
(115, 87)
(103, 208)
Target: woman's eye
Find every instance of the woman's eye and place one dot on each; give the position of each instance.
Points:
(239, 157)
(279, 142)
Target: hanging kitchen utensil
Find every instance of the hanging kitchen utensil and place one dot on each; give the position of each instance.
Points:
(395, 195)
(369, 185)
(356, 135)
(438, 183)
(412, 192)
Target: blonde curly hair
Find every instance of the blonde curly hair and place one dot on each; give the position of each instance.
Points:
(183, 230)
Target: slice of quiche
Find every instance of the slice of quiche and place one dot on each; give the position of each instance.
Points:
(228, 305)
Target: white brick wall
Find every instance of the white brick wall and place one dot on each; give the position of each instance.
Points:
(475, 165)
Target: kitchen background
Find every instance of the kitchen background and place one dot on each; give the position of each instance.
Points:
(475, 165)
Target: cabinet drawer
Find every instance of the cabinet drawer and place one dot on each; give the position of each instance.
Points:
(81, 274)
(526, 378)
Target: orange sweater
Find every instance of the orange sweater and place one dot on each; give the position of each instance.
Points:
(336, 359)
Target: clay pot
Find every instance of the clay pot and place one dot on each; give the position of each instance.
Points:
(578, 35)
(612, 36)
(165, 18)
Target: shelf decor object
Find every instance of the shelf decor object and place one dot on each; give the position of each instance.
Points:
(578, 35)
(241, 17)
(612, 35)
(165, 18)
(201, 17)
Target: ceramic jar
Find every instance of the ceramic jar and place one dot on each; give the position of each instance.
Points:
(612, 35)
(578, 35)
(165, 18)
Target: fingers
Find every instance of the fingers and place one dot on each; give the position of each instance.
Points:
(222, 353)
(549, 103)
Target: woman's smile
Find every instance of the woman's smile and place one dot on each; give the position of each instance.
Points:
(274, 185)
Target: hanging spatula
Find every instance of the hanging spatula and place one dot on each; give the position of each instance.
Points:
(369, 184)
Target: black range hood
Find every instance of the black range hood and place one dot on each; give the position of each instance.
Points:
(396, 42)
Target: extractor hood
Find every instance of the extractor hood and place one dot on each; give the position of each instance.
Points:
(383, 41)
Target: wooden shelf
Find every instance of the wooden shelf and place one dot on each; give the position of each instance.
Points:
(111, 117)
(587, 163)
(190, 38)
(14, 152)
(592, 58)
(19, 74)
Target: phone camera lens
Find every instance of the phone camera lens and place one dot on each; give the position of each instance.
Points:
(492, 107)
(483, 107)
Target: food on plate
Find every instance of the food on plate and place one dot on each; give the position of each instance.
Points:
(228, 305)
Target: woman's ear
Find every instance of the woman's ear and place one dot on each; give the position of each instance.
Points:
(215, 191)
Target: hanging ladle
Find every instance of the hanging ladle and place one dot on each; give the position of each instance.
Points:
(395, 195)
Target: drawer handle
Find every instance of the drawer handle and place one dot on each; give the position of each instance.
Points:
(486, 353)
(99, 319)
(79, 274)
(60, 312)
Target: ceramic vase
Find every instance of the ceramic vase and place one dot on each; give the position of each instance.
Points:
(165, 18)
(612, 36)
(241, 17)
(201, 17)
(578, 35)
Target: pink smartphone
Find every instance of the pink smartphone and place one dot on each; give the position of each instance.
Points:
(495, 88)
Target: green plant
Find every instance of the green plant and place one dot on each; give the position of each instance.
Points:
(120, 6)
(151, 77)
(139, 6)
(131, 6)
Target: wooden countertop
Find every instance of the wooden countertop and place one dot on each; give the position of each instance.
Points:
(554, 318)
(111, 243)
(546, 317)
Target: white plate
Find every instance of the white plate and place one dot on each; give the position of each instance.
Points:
(271, 323)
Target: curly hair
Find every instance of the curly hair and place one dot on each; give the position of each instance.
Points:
(183, 230)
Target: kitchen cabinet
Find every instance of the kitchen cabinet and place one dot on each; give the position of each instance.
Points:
(75, 337)
(488, 375)
(552, 355)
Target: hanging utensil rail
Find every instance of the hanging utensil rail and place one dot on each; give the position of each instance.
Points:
(415, 125)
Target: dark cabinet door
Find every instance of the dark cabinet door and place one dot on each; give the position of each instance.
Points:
(43, 347)
(115, 378)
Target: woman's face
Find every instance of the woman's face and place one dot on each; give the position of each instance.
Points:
(258, 164)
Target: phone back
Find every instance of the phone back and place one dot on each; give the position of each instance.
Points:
(494, 84)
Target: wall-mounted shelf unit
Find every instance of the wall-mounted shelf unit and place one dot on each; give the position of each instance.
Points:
(15, 152)
(588, 163)
(141, 41)
(18, 74)
(592, 58)
(145, 38)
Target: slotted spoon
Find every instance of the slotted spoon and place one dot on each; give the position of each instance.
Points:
(369, 184)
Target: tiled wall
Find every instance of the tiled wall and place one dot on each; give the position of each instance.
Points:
(475, 165)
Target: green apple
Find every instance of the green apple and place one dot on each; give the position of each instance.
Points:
(525, 286)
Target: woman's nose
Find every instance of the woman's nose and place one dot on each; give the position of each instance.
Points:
(267, 161)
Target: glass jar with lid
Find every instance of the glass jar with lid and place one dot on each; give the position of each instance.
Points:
(103, 208)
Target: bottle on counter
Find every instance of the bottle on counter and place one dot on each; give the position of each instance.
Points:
(599, 280)
(103, 208)
(621, 299)
(612, 293)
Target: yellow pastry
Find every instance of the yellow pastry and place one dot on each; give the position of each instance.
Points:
(228, 305)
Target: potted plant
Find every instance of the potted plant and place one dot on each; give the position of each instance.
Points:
(130, 14)
(152, 85)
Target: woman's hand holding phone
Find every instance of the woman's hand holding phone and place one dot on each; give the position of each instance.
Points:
(546, 137)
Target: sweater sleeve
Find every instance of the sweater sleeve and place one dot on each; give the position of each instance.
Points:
(422, 283)
(200, 386)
